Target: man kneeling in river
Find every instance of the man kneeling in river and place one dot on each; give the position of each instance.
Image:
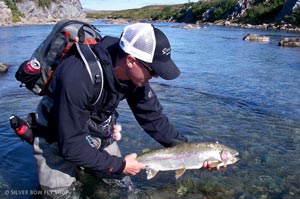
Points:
(80, 136)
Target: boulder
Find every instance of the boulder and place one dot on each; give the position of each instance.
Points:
(209, 15)
(290, 42)
(256, 38)
(287, 9)
(3, 68)
(188, 16)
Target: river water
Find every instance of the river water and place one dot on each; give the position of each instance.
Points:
(244, 95)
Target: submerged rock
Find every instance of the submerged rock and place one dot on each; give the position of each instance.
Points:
(3, 68)
(256, 38)
(290, 42)
(191, 26)
(118, 21)
(188, 26)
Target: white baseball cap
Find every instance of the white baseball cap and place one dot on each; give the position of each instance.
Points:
(149, 44)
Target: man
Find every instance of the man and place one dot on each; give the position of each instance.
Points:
(75, 134)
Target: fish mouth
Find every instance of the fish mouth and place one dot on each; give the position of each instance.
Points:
(233, 160)
(229, 157)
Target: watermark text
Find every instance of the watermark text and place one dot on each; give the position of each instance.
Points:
(20, 192)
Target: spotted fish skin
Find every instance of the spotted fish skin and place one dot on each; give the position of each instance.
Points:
(187, 156)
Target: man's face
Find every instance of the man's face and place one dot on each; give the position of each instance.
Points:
(140, 73)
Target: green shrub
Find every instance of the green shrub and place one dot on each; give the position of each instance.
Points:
(263, 12)
(43, 3)
(220, 8)
(14, 10)
(297, 18)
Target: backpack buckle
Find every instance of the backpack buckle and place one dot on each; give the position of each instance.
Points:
(97, 78)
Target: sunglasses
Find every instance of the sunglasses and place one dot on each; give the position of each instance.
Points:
(148, 68)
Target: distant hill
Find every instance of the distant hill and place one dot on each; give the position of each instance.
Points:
(239, 11)
(255, 12)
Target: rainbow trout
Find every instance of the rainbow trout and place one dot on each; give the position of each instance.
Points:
(187, 156)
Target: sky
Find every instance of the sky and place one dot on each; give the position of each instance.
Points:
(126, 4)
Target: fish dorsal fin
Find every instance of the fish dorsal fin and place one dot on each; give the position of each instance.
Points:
(179, 172)
(151, 172)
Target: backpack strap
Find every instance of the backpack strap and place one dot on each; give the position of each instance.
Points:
(88, 34)
(94, 69)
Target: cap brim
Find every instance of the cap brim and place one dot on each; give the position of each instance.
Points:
(166, 70)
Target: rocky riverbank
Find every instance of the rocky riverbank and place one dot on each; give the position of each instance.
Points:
(269, 26)
(29, 12)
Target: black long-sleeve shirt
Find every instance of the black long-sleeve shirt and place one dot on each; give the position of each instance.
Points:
(72, 91)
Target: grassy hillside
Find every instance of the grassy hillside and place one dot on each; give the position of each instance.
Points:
(155, 12)
(264, 11)
(14, 10)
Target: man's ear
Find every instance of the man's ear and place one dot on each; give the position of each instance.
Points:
(130, 61)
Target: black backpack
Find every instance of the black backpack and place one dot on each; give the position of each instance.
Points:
(36, 72)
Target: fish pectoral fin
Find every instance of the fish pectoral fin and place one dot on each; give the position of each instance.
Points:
(151, 172)
(213, 162)
(216, 164)
(179, 172)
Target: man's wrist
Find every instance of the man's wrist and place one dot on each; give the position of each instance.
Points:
(122, 167)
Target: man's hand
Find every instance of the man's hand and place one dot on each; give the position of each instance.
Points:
(132, 165)
(207, 165)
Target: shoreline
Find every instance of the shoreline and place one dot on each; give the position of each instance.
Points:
(45, 22)
(289, 42)
(271, 26)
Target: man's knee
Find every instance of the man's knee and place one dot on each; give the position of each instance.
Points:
(113, 149)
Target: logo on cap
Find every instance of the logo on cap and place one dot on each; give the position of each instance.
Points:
(166, 51)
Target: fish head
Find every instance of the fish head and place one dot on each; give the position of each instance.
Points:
(229, 156)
